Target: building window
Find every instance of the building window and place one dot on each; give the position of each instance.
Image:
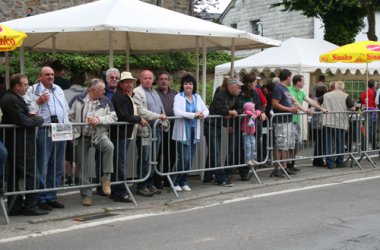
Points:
(234, 25)
(255, 27)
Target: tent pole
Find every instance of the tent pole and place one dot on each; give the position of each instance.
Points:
(366, 77)
(7, 78)
(127, 52)
(197, 58)
(233, 57)
(204, 68)
(22, 60)
(110, 46)
(54, 47)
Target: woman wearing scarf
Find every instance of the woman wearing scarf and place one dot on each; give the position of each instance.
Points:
(187, 131)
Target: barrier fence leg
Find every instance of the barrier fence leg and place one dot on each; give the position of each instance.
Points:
(283, 170)
(172, 186)
(3, 207)
(353, 159)
(369, 159)
(255, 173)
(130, 194)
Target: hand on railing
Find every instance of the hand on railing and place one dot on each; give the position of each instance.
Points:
(293, 110)
(309, 112)
(199, 115)
(143, 122)
(163, 117)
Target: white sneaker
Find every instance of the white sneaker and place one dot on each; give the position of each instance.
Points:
(177, 188)
(186, 188)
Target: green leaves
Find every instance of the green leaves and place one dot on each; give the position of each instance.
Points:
(343, 19)
(96, 64)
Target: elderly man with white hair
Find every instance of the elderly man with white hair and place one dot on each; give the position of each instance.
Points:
(112, 78)
(335, 123)
(98, 112)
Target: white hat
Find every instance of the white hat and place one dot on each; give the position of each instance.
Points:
(258, 78)
(126, 76)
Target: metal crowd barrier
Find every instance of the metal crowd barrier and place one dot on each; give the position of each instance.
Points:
(329, 136)
(369, 121)
(37, 181)
(220, 148)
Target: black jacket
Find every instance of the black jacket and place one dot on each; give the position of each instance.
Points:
(124, 110)
(221, 104)
(15, 111)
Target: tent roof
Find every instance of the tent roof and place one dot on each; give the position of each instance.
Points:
(145, 27)
(298, 55)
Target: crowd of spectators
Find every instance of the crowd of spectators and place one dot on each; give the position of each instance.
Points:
(99, 104)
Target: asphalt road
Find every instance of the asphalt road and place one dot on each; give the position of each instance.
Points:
(338, 216)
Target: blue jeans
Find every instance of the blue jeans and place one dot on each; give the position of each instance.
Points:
(185, 159)
(370, 132)
(50, 158)
(334, 138)
(249, 147)
(3, 158)
(143, 160)
(120, 167)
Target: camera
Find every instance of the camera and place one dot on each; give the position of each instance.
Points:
(54, 119)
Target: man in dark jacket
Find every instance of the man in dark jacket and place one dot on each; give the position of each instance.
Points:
(21, 147)
(224, 104)
(121, 134)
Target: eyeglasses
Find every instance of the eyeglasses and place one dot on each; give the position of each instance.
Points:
(114, 77)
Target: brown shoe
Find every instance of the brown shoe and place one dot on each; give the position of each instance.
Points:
(144, 192)
(106, 186)
(87, 201)
(154, 190)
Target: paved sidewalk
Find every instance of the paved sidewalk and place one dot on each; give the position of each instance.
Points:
(74, 211)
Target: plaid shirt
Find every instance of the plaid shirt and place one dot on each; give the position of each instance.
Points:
(89, 111)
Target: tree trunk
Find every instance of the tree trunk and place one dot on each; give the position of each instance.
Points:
(371, 34)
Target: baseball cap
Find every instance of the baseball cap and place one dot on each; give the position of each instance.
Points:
(234, 81)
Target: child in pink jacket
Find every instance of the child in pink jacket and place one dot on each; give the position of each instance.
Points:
(248, 127)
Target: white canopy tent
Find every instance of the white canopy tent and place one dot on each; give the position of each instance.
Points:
(130, 26)
(300, 56)
(135, 26)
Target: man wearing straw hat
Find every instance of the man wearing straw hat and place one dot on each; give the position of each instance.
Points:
(121, 135)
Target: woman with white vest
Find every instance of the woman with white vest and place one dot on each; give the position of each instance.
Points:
(187, 131)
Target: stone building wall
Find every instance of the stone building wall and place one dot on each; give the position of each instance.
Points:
(276, 24)
(12, 9)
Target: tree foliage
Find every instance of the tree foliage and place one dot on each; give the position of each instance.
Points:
(343, 19)
(97, 64)
(203, 5)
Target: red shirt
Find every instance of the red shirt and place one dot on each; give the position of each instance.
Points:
(371, 102)
(262, 97)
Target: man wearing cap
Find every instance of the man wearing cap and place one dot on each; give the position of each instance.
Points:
(224, 104)
(122, 134)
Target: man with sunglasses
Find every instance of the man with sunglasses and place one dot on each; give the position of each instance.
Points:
(112, 78)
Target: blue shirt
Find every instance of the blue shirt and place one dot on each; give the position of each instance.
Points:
(281, 93)
(191, 108)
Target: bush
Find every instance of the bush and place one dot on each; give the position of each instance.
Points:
(97, 64)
